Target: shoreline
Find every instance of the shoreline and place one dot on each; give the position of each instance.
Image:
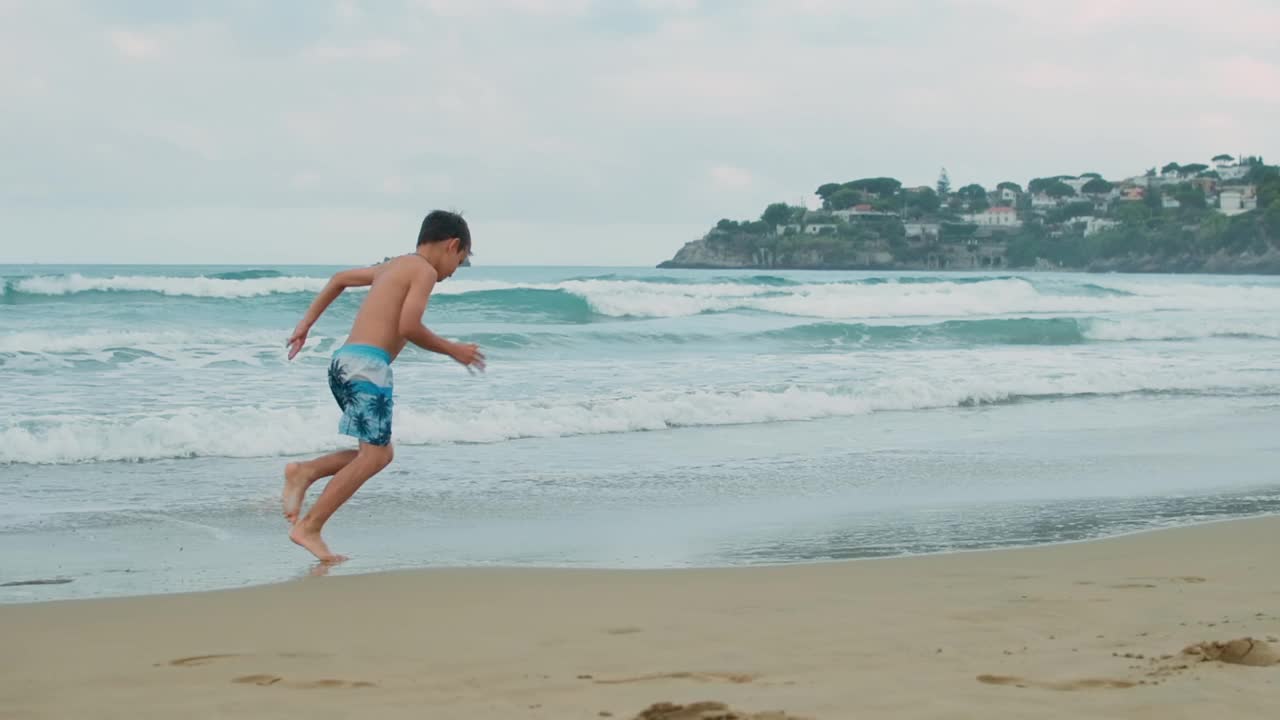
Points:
(316, 570)
(1093, 628)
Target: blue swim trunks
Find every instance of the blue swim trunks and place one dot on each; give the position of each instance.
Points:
(360, 379)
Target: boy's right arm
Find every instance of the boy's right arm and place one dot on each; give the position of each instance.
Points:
(355, 277)
(412, 329)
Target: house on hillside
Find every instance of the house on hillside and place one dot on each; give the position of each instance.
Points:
(1041, 201)
(1238, 199)
(1001, 217)
(1231, 202)
(819, 228)
(923, 230)
(1230, 169)
(860, 211)
(1096, 225)
(1168, 202)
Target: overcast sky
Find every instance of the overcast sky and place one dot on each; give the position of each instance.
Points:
(577, 131)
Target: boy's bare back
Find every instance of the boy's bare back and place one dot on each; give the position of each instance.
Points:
(398, 292)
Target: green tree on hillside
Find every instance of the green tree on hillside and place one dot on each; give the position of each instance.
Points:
(1059, 189)
(918, 203)
(1224, 157)
(1190, 196)
(777, 214)
(1008, 185)
(1097, 186)
(881, 186)
(826, 190)
(845, 198)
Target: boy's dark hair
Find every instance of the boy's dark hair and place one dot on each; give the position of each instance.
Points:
(440, 225)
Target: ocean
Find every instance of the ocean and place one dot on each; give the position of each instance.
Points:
(629, 418)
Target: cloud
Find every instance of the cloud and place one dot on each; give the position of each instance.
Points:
(1245, 78)
(471, 8)
(377, 49)
(135, 44)
(728, 177)
(546, 116)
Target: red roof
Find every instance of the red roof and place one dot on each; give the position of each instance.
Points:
(862, 208)
(1001, 210)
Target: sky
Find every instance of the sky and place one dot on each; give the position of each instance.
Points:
(582, 132)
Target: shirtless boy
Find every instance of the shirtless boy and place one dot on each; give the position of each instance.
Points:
(360, 372)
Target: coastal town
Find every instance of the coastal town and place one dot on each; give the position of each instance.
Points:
(1220, 215)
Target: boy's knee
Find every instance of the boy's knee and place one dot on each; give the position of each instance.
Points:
(387, 454)
(382, 454)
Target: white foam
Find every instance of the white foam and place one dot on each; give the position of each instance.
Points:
(834, 300)
(266, 431)
(177, 286)
(857, 301)
(1156, 327)
(151, 341)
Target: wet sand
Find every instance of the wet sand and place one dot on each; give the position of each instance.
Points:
(1172, 624)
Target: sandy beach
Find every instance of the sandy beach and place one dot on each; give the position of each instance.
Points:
(1087, 630)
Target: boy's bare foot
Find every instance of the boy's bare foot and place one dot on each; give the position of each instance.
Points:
(296, 483)
(311, 540)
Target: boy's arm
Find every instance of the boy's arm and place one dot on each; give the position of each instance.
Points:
(412, 329)
(355, 277)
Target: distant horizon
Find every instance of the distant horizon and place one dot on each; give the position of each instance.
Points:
(578, 131)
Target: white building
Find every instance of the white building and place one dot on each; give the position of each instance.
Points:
(1040, 201)
(1096, 224)
(1231, 202)
(1008, 195)
(817, 228)
(1170, 203)
(995, 217)
(861, 211)
(1229, 170)
(919, 230)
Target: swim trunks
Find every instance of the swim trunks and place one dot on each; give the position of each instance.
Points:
(360, 379)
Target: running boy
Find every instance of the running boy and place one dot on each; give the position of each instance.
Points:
(360, 372)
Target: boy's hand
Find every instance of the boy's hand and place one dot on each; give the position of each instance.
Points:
(297, 340)
(468, 354)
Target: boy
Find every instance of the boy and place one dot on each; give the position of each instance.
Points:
(360, 372)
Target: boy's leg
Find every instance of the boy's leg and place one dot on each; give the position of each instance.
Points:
(299, 476)
(368, 462)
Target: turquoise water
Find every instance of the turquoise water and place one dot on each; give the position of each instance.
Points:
(629, 418)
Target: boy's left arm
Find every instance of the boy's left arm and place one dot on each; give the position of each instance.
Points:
(355, 277)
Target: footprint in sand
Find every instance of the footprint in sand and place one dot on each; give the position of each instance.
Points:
(269, 680)
(195, 660)
(735, 678)
(706, 711)
(1082, 684)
